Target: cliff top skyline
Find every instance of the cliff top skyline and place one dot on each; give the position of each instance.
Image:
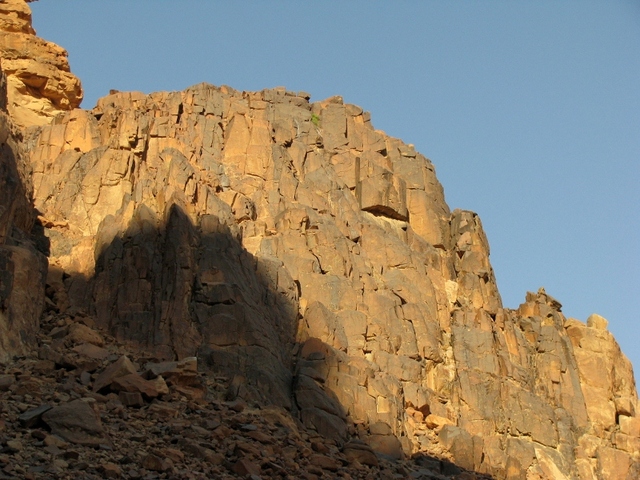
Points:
(529, 112)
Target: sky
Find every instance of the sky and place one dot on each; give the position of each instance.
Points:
(530, 111)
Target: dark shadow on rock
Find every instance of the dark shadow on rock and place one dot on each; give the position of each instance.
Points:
(23, 264)
(428, 467)
(177, 289)
(319, 407)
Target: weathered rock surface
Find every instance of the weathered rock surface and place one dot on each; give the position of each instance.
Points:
(235, 226)
(76, 422)
(305, 260)
(39, 83)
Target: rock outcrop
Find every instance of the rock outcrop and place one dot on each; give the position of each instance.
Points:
(285, 240)
(39, 82)
(312, 261)
(23, 269)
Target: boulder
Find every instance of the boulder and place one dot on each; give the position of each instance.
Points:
(76, 422)
(117, 369)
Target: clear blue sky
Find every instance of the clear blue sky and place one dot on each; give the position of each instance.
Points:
(530, 110)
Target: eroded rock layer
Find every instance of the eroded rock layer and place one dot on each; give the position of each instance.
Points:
(294, 246)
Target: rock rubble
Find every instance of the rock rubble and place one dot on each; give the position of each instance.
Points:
(55, 424)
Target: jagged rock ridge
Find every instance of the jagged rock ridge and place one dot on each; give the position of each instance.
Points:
(314, 261)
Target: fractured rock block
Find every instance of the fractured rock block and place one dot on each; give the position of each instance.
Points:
(39, 82)
(121, 367)
(384, 194)
(76, 422)
(613, 464)
(597, 322)
(460, 444)
(360, 452)
(134, 383)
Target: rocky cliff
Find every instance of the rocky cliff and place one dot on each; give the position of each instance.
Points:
(39, 83)
(313, 262)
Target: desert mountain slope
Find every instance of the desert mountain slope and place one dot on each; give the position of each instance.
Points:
(311, 261)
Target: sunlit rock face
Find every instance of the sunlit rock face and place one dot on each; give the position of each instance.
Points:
(313, 260)
(211, 220)
(39, 82)
(291, 243)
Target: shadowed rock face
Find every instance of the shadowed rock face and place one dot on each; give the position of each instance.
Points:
(184, 289)
(23, 269)
(313, 259)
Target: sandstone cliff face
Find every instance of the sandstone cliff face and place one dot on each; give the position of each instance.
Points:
(313, 260)
(293, 245)
(39, 83)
